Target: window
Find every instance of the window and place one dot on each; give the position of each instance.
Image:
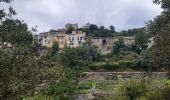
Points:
(70, 38)
(73, 38)
(77, 38)
(79, 42)
(45, 40)
(81, 38)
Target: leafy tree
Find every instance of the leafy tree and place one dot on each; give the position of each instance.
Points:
(64, 87)
(159, 28)
(80, 57)
(112, 28)
(20, 67)
(15, 32)
(144, 59)
(55, 48)
(93, 28)
(141, 40)
(102, 27)
(118, 46)
(70, 29)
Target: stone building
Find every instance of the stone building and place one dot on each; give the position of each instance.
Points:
(104, 44)
(60, 36)
(74, 26)
(129, 40)
(76, 39)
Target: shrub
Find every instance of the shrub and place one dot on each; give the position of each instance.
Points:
(134, 90)
(166, 93)
(85, 86)
(108, 66)
(127, 63)
(95, 66)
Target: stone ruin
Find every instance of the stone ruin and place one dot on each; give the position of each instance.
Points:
(87, 76)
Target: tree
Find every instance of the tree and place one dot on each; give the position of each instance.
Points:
(118, 46)
(112, 28)
(15, 32)
(93, 28)
(102, 27)
(20, 67)
(78, 58)
(55, 48)
(144, 59)
(141, 40)
(159, 28)
(63, 88)
(70, 29)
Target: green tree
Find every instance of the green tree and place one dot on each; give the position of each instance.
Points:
(141, 40)
(118, 46)
(159, 28)
(144, 59)
(112, 28)
(20, 67)
(70, 29)
(93, 28)
(15, 32)
(63, 88)
(80, 57)
(102, 27)
(55, 48)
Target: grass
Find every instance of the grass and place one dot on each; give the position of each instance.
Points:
(39, 97)
(86, 91)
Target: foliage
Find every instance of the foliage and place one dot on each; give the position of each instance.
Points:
(159, 28)
(109, 66)
(112, 28)
(20, 65)
(95, 66)
(141, 40)
(20, 72)
(70, 29)
(118, 46)
(95, 31)
(79, 57)
(144, 59)
(64, 87)
(55, 48)
(15, 32)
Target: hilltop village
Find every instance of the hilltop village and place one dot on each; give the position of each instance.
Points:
(72, 36)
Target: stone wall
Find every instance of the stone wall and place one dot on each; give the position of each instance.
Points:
(120, 75)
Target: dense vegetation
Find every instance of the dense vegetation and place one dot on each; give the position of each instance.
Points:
(27, 71)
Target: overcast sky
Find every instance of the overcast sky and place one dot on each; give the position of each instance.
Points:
(53, 14)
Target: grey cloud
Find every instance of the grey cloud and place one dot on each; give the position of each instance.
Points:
(123, 14)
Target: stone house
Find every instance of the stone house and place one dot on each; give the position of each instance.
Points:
(74, 26)
(76, 39)
(104, 44)
(48, 38)
(129, 40)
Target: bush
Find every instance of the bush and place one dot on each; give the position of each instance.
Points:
(166, 93)
(64, 88)
(134, 90)
(95, 66)
(87, 85)
(108, 66)
(154, 95)
(127, 63)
